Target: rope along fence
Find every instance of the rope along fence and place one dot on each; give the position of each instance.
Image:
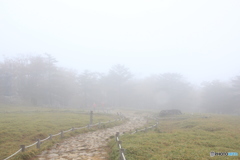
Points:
(119, 143)
(61, 133)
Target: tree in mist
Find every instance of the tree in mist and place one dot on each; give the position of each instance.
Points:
(236, 93)
(89, 87)
(217, 97)
(6, 78)
(173, 90)
(37, 80)
(115, 81)
(12, 76)
(236, 85)
(65, 87)
(144, 94)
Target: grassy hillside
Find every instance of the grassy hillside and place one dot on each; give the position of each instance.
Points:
(187, 139)
(23, 126)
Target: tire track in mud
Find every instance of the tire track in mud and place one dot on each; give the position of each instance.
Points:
(91, 145)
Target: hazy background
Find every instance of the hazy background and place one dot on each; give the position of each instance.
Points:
(198, 39)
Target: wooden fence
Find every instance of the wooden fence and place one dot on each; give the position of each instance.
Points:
(61, 133)
(119, 143)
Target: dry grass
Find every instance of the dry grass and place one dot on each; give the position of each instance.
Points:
(186, 139)
(23, 126)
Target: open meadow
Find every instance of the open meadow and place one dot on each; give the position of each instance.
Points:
(187, 137)
(24, 125)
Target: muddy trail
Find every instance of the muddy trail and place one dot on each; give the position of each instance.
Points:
(91, 145)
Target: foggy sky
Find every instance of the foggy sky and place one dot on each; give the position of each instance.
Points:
(199, 39)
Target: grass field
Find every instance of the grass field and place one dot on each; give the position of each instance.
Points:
(23, 126)
(187, 139)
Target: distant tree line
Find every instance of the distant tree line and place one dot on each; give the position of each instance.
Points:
(36, 80)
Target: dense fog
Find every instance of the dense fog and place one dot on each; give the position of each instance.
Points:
(38, 81)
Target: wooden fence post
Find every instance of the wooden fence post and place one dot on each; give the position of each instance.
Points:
(22, 147)
(38, 143)
(119, 142)
(117, 134)
(91, 117)
(62, 134)
(121, 151)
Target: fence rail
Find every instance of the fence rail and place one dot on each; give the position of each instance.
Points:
(38, 142)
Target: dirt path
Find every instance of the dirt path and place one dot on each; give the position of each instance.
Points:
(89, 146)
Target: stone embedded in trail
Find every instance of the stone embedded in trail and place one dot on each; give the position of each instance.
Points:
(53, 151)
(81, 148)
(52, 155)
(72, 156)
